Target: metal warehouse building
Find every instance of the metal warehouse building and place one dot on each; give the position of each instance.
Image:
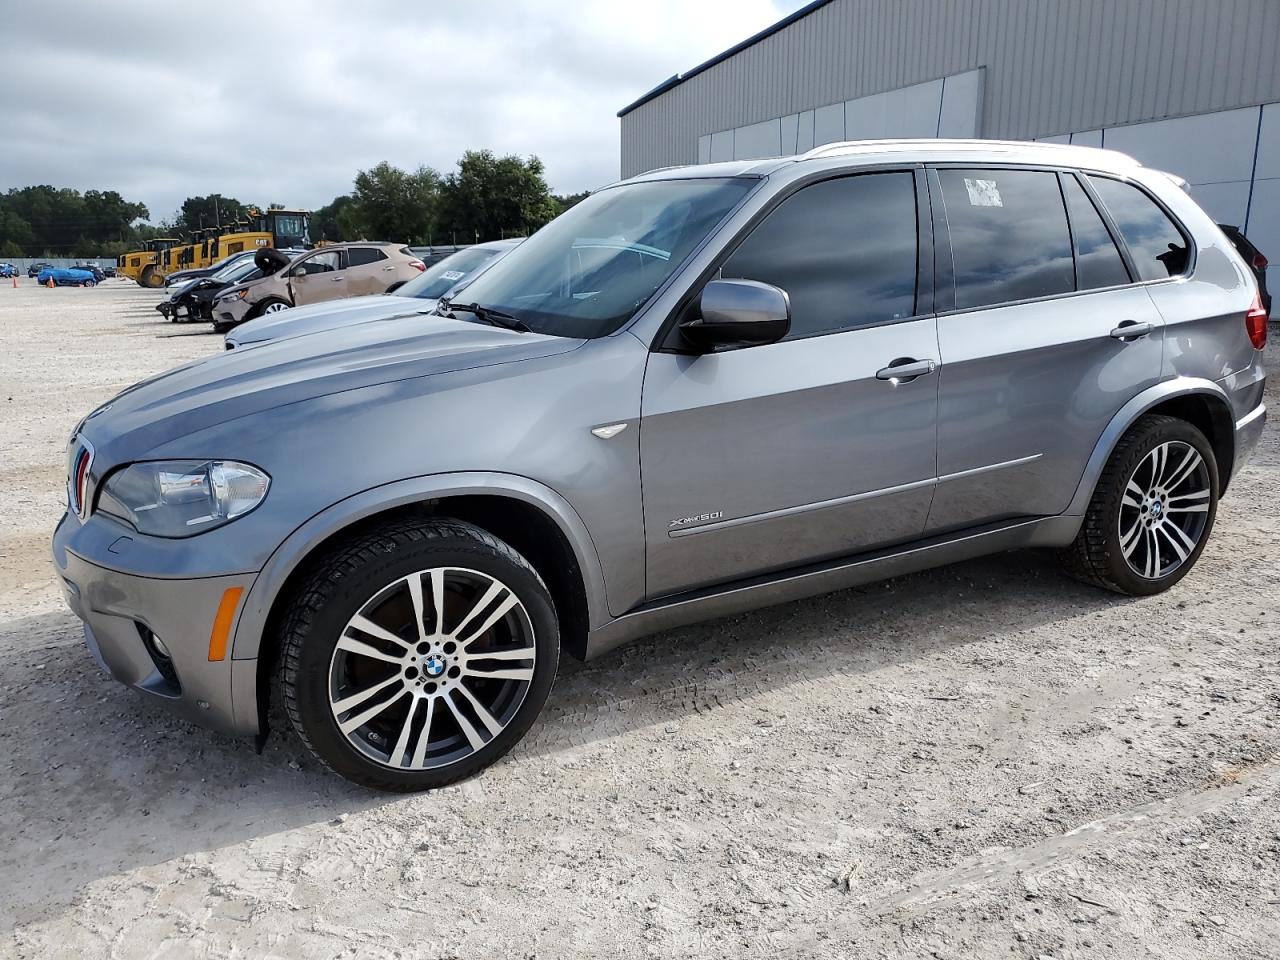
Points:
(1190, 86)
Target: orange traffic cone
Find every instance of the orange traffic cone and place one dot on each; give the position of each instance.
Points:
(50, 284)
(15, 281)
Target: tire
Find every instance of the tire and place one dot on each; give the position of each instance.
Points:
(222, 327)
(395, 286)
(345, 688)
(1135, 506)
(270, 305)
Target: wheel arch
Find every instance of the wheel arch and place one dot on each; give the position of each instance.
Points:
(1202, 403)
(535, 520)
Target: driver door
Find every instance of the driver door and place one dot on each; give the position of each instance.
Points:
(319, 277)
(762, 458)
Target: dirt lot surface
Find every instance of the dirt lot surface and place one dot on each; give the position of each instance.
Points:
(984, 761)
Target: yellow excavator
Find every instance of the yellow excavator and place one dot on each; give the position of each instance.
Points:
(279, 228)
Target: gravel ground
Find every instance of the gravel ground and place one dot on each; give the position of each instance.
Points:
(987, 760)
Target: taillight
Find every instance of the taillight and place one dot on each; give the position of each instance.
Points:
(417, 264)
(1259, 261)
(1255, 323)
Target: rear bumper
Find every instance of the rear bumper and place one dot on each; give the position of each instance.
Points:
(1248, 432)
(123, 611)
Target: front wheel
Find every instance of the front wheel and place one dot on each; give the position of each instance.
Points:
(271, 306)
(418, 655)
(1152, 511)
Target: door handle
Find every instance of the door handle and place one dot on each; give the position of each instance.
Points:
(906, 368)
(1131, 330)
(337, 279)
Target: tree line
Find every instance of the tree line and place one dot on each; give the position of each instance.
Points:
(486, 198)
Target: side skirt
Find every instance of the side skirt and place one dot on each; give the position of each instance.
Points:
(829, 576)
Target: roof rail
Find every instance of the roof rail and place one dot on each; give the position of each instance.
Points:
(843, 147)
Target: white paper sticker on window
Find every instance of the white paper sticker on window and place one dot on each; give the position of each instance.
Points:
(983, 193)
(453, 275)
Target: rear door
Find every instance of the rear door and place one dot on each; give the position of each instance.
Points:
(1035, 356)
(319, 277)
(767, 457)
(369, 271)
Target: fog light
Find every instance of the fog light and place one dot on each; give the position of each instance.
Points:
(160, 647)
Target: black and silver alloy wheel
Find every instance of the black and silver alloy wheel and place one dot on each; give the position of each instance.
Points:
(432, 668)
(1164, 510)
(417, 653)
(1151, 512)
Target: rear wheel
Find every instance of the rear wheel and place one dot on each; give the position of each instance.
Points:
(418, 655)
(1152, 511)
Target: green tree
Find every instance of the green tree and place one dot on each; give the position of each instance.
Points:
(393, 204)
(210, 211)
(15, 232)
(564, 201)
(55, 221)
(490, 197)
(10, 250)
(337, 220)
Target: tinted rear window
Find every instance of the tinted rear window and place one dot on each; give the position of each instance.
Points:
(1098, 260)
(1009, 237)
(359, 256)
(1156, 245)
(844, 250)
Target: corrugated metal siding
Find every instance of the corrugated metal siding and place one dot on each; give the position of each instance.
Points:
(1052, 66)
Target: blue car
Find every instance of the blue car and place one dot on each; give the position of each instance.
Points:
(66, 277)
(8, 270)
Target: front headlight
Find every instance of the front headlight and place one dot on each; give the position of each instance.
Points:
(180, 498)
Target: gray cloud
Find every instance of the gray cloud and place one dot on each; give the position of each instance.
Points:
(284, 102)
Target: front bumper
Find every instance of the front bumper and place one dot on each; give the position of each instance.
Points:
(231, 312)
(122, 611)
(1248, 432)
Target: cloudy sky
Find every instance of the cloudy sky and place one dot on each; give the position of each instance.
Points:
(283, 102)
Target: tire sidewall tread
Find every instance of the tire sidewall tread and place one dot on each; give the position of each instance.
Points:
(343, 581)
(1095, 556)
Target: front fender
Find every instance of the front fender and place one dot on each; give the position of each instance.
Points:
(1129, 414)
(299, 544)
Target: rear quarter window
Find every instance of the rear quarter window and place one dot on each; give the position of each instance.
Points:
(1157, 245)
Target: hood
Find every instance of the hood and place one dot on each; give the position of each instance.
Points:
(246, 285)
(237, 383)
(326, 316)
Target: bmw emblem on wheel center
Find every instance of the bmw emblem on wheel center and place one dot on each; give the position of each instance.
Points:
(433, 665)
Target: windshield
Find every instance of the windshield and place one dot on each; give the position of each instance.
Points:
(439, 278)
(237, 271)
(290, 228)
(588, 271)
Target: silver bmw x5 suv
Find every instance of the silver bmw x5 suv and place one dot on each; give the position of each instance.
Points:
(698, 391)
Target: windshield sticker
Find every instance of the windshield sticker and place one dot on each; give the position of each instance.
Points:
(983, 193)
(453, 275)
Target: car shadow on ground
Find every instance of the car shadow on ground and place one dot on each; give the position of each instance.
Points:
(99, 779)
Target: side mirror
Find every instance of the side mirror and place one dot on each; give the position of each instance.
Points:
(298, 272)
(739, 313)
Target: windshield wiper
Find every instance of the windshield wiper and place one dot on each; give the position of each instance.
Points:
(495, 318)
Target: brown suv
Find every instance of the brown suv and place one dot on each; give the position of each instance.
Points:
(329, 273)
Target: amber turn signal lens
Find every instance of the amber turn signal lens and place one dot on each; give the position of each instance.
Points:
(220, 636)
